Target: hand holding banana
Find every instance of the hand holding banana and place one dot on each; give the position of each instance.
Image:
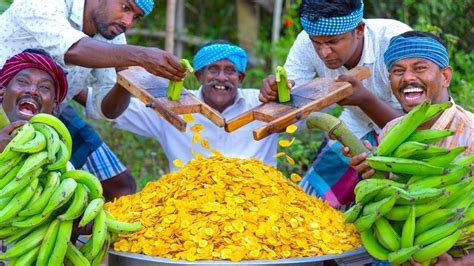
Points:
(39, 199)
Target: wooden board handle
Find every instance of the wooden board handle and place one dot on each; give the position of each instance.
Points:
(359, 72)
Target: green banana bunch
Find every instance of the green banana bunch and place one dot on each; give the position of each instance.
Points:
(174, 88)
(89, 180)
(8, 177)
(37, 144)
(18, 201)
(282, 85)
(6, 166)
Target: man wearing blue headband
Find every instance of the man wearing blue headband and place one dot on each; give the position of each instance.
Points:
(335, 39)
(419, 70)
(87, 38)
(220, 69)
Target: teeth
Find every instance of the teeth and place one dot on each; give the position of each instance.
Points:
(412, 90)
(219, 87)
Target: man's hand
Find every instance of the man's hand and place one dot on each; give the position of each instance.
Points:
(6, 133)
(163, 64)
(359, 92)
(446, 260)
(269, 90)
(359, 161)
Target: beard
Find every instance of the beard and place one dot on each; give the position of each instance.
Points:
(103, 27)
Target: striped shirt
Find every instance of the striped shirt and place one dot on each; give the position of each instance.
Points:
(455, 118)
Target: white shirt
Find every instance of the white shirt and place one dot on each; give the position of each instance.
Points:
(303, 64)
(54, 26)
(144, 121)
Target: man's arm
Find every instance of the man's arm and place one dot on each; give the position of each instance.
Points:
(377, 110)
(91, 53)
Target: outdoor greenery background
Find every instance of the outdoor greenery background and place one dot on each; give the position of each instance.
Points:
(450, 19)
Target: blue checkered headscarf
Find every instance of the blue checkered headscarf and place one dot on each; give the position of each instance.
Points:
(332, 25)
(218, 51)
(416, 46)
(145, 5)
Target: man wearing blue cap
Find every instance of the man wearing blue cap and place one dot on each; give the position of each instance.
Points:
(335, 39)
(220, 69)
(86, 38)
(419, 70)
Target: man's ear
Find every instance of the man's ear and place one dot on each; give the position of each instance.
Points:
(55, 111)
(3, 89)
(199, 75)
(359, 30)
(241, 77)
(447, 75)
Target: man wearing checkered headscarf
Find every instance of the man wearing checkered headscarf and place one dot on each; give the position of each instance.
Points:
(336, 38)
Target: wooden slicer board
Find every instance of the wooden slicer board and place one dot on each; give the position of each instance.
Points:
(310, 97)
(153, 91)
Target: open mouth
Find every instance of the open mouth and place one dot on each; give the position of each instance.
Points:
(413, 95)
(220, 87)
(28, 107)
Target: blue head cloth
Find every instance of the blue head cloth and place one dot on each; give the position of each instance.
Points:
(333, 25)
(408, 47)
(218, 51)
(145, 5)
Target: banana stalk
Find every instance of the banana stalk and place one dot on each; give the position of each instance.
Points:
(174, 88)
(337, 130)
(282, 85)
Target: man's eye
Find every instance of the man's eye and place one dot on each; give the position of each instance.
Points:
(125, 7)
(397, 71)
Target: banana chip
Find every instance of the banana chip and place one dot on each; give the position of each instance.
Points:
(285, 143)
(222, 208)
(197, 128)
(178, 163)
(205, 144)
(188, 118)
(290, 160)
(278, 155)
(291, 129)
(295, 177)
(196, 138)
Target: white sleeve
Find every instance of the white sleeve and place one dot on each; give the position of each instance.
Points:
(140, 120)
(299, 65)
(47, 21)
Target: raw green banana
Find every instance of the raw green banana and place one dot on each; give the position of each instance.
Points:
(372, 246)
(60, 196)
(383, 206)
(60, 246)
(92, 210)
(57, 125)
(174, 88)
(26, 244)
(120, 227)
(282, 84)
(386, 234)
(432, 219)
(364, 223)
(437, 248)
(402, 255)
(434, 234)
(89, 180)
(408, 231)
(48, 243)
(446, 159)
(37, 144)
(404, 166)
(430, 135)
(351, 214)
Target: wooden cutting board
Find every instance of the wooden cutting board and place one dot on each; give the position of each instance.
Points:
(310, 97)
(153, 91)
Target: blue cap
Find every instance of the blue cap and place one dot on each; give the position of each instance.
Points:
(145, 5)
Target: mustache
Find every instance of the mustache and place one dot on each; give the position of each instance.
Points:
(404, 85)
(35, 98)
(228, 85)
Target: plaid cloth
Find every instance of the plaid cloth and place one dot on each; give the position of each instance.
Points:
(330, 176)
(214, 52)
(89, 152)
(332, 25)
(408, 47)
